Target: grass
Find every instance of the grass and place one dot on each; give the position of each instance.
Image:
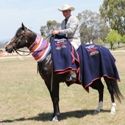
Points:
(24, 98)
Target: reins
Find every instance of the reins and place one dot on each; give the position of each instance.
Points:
(18, 52)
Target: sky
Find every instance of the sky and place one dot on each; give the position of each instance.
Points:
(35, 13)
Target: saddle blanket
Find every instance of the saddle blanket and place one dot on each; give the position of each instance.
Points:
(64, 56)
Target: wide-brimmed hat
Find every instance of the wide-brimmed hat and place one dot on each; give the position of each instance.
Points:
(66, 7)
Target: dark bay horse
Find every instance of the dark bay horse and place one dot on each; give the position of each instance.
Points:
(24, 37)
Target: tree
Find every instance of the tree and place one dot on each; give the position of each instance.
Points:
(92, 26)
(50, 25)
(123, 39)
(43, 30)
(113, 12)
(113, 37)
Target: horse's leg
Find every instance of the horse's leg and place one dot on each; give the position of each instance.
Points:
(46, 71)
(54, 93)
(55, 99)
(98, 85)
(109, 83)
(53, 88)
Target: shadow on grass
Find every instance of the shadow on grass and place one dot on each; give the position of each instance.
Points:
(47, 116)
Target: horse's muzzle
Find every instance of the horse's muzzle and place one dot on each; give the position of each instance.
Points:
(9, 49)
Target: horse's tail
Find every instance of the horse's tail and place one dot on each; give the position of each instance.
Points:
(113, 88)
(116, 90)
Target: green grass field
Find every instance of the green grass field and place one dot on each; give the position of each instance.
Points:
(25, 100)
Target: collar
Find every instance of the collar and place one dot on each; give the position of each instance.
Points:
(40, 48)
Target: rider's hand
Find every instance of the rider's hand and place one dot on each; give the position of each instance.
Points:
(54, 32)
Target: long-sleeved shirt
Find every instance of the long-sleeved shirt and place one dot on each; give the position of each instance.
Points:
(71, 29)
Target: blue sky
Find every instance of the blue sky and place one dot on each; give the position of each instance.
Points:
(35, 13)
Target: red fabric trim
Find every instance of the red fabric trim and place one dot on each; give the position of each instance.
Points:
(62, 71)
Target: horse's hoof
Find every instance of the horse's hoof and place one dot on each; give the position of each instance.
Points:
(113, 109)
(55, 119)
(113, 112)
(96, 112)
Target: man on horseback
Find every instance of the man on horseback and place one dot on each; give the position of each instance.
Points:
(69, 27)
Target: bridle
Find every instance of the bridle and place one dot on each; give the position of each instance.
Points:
(23, 51)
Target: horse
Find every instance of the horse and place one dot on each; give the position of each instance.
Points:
(24, 37)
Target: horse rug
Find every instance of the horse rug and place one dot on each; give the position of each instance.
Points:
(96, 62)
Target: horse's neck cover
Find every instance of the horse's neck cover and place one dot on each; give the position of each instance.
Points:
(40, 48)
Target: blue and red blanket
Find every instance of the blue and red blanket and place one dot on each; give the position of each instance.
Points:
(96, 62)
(64, 56)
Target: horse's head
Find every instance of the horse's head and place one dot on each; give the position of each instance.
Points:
(23, 38)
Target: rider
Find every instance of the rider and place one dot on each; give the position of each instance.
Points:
(69, 27)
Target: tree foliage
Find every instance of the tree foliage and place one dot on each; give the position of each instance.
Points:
(113, 11)
(43, 30)
(92, 26)
(113, 37)
(123, 39)
(50, 25)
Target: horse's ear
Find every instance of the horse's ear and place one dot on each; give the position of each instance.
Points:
(23, 27)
